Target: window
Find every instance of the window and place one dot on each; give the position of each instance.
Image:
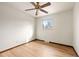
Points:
(48, 23)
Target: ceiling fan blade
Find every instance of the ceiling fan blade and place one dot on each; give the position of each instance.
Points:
(36, 12)
(37, 3)
(30, 9)
(33, 3)
(43, 11)
(45, 5)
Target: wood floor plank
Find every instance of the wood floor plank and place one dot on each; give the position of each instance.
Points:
(40, 49)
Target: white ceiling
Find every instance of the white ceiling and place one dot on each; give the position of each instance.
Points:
(55, 7)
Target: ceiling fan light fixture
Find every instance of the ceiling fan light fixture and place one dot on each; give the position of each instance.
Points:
(39, 7)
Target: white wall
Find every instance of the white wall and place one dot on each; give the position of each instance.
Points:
(62, 32)
(76, 27)
(16, 27)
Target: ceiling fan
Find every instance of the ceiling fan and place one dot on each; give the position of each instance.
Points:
(38, 7)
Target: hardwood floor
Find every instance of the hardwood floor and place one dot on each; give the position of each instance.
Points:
(39, 49)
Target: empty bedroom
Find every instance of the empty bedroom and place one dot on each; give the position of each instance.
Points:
(39, 29)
